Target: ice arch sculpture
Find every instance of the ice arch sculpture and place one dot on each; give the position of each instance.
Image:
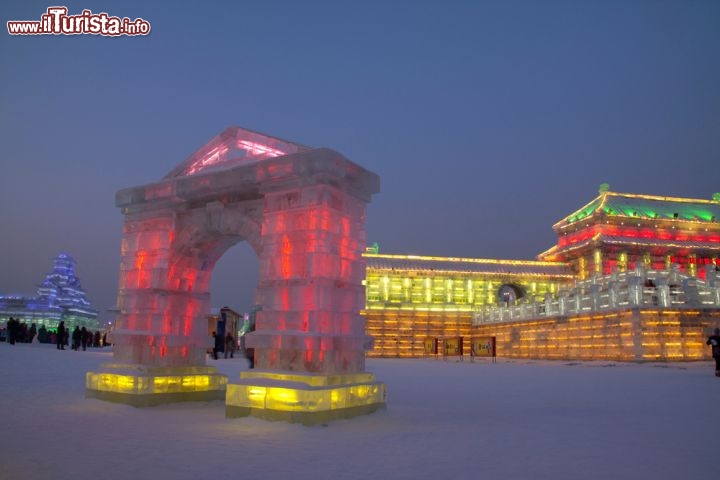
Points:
(302, 210)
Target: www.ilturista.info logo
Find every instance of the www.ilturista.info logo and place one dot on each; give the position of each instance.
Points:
(57, 22)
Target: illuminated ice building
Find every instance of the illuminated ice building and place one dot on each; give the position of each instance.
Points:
(632, 277)
(302, 210)
(60, 297)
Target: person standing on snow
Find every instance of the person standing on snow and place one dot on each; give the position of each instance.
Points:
(714, 340)
(76, 338)
(218, 344)
(61, 336)
(229, 345)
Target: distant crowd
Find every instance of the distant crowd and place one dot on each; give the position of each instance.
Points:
(19, 332)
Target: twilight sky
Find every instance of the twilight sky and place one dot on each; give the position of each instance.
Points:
(487, 121)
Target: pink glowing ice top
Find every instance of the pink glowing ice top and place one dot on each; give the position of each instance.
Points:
(234, 146)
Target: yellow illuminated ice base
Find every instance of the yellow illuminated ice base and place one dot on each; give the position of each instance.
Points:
(301, 398)
(142, 386)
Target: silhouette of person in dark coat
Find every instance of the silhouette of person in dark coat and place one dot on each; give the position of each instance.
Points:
(229, 345)
(84, 338)
(61, 336)
(250, 355)
(75, 338)
(218, 344)
(714, 340)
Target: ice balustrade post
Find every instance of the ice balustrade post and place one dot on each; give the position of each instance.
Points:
(712, 277)
(690, 288)
(635, 285)
(578, 293)
(674, 273)
(562, 303)
(595, 297)
(548, 304)
(640, 271)
(663, 292)
(711, 273)
(710, 285)
(613, 294)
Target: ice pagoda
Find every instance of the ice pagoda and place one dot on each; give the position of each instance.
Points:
(60, 297)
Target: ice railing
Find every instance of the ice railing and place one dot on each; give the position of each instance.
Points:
(633, 288)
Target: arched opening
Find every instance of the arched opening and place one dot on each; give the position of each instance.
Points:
(234, 279)
(233, 285)
(509, 294)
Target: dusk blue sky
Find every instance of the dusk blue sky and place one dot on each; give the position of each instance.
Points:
(486, 121)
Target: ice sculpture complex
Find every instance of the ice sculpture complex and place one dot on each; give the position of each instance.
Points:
(60, 297)
(302, 210)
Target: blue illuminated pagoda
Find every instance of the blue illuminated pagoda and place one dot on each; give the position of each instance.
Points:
(60, 297)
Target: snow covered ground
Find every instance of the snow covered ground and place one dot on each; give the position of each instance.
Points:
(510, 420)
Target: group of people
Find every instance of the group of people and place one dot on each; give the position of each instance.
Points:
(19, 332)
(81, 337)
(228, 346)
(84, 337)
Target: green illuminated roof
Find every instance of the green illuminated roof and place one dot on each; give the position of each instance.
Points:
(647, 207)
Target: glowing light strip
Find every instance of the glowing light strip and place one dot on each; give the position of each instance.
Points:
(550, 251)
(216, 155)
(210, 158)
(664, 199)
(705, 224)
(465, 260)
(651, 243)
(581, 209)
(396, 272)
(605, 239)
(259, 149)
(698, 201)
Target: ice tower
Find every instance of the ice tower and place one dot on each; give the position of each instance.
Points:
(302, 210)
(60, 297)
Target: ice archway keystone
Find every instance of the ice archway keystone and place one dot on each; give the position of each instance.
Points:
(302, 210)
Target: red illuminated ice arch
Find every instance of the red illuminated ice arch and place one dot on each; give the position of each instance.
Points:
(302, 210)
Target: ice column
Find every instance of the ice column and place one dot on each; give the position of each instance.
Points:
(160, 338)
(311, 282)
(310, 339)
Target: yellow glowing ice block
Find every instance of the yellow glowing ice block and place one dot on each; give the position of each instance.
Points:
(144, 386)
(303, 398)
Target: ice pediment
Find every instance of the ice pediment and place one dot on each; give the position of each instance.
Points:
(246, 180)
(234, 146)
